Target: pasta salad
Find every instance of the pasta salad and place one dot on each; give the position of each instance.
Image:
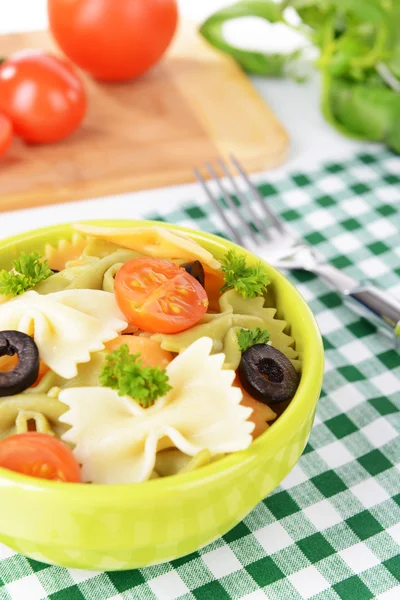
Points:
(128, 354)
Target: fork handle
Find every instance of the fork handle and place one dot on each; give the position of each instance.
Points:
(381, 304)
(366, 299)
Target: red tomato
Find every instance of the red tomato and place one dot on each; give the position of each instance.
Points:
(42, 95)
(158, 296)
(39, 455)
(6, 132)
(114, 40)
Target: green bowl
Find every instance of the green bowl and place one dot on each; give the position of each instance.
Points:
(115, 527)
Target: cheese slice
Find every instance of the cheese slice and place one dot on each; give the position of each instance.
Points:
(158, 242)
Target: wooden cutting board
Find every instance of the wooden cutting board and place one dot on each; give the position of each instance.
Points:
(193, 107)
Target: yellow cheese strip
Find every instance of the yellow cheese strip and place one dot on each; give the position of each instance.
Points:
(152, 241)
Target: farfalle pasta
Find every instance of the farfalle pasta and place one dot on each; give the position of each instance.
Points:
(236, 312)
(191, 417)
(65, 251)
(86, 276)
(16, 412)
(276, 327)
(109, 276)
(119, 354)
(218, 329)
(66, 326)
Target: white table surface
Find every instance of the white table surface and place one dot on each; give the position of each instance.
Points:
(297, 105)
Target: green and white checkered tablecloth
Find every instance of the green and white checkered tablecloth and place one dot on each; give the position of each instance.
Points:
(332, 529)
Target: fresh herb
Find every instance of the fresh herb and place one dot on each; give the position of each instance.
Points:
(359, 57)
(249, 337)
(249, 282)
(124, 372)
(27, 271)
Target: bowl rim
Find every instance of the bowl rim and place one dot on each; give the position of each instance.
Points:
(309, 388)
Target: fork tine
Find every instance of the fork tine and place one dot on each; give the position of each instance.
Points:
(268, 212)
(229, 200)
(214, 201)
(244, 201)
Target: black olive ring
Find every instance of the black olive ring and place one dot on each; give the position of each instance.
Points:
(196, 270)
(27, 370)
(267, 374)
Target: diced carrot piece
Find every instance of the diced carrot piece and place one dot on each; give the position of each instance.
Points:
(261, 414)
(43, 369)
(213, 283)
(151, 353)
(8, 363)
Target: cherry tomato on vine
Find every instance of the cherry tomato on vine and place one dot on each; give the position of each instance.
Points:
(158, 296)
(42, 96)
(39, 455)
(114, 40)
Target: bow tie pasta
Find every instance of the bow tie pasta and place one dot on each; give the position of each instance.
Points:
(116, 440)
(65, 251)
(235, 312)
(87, 276)
(66, 326)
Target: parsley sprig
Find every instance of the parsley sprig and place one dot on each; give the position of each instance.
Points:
(124, 372)
(249, 337)
(249, 282)
(27, 271)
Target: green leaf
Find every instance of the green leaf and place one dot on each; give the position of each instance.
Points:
(124, 372)
(370, 112)
(359, 41)
(366, 11)
(257, 63)
(249, 282)
(312, 13)
(265, 9)
(28, 270)
(347, 49)
(249, 337)
(393, 61)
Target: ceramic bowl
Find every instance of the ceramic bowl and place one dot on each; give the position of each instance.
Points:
(113, 527)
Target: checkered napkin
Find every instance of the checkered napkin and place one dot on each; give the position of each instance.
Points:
(332, 528)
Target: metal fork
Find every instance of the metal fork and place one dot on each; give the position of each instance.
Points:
(275, 242)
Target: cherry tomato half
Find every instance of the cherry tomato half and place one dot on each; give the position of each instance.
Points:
(39, 455)
(42, 96)
(158, 296)
(6, 133)
(114, 40)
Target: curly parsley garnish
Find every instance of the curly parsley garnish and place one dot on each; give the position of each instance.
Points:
(249, 282)
(124, 372)
(249, 337)
(27, 271)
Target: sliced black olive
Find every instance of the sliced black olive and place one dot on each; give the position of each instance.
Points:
(195, 269)
(26, 371)
(267, 375)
